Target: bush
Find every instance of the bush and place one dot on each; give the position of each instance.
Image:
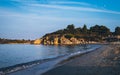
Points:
(68, 36)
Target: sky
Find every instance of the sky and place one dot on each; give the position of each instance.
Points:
(31, 19)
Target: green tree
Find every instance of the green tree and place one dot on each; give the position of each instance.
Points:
(94, 30)
(117, 31)
(100, 30)
(104, 31)
(70, 29)
(68, 36)
(59, 32)
(78, 30)
(84, 29)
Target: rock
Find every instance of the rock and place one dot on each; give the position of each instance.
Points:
(64, 40)
(74, 40)
(38, 41)
(56, 41)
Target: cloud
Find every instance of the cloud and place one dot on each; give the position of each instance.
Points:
(52, 2)
(75, 8)
(36, 5)
(70, 2)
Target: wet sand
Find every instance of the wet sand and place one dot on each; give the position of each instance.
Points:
(103, 61)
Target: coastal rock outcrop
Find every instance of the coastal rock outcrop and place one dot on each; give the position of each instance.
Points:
(58, 39)
(38, 41)
(81, 35)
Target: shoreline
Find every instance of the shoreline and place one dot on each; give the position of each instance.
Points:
(74, 57)
(24, 66)
(99, 58)
(52, 63)
(104, 61)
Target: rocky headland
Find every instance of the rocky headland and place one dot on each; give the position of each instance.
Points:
(81, 35)
(61, 40)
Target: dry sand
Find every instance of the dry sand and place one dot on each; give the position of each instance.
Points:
(104, 61)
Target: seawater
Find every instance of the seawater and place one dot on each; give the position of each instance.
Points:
(13, 54)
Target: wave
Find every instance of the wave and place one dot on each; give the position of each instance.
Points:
(17, 67)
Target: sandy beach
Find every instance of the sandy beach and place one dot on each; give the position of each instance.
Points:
(103, 61)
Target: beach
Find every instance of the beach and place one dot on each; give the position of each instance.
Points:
(103, 61)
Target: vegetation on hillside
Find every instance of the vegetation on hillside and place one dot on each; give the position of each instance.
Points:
(94, 33)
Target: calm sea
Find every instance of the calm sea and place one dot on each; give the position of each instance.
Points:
(12, 54)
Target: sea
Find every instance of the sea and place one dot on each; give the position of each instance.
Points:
(14, 57)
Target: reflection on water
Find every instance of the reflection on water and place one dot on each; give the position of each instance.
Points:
(11, 54)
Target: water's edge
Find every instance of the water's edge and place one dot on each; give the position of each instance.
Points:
(17, 67)
(70, 57)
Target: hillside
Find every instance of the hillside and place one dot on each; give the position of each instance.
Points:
(72, 35)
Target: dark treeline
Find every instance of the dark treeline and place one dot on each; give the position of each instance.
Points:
(9, 41)
(94, 33)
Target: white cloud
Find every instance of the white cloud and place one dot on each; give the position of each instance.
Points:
(53, 2)
(75, 8)
(36, 6)
(70, 2)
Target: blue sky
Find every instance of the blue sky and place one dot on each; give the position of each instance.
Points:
(31, 19)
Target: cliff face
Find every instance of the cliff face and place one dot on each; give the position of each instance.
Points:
(57, 39)
(38, 41)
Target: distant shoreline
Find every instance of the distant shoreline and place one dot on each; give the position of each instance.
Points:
(15, 41)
